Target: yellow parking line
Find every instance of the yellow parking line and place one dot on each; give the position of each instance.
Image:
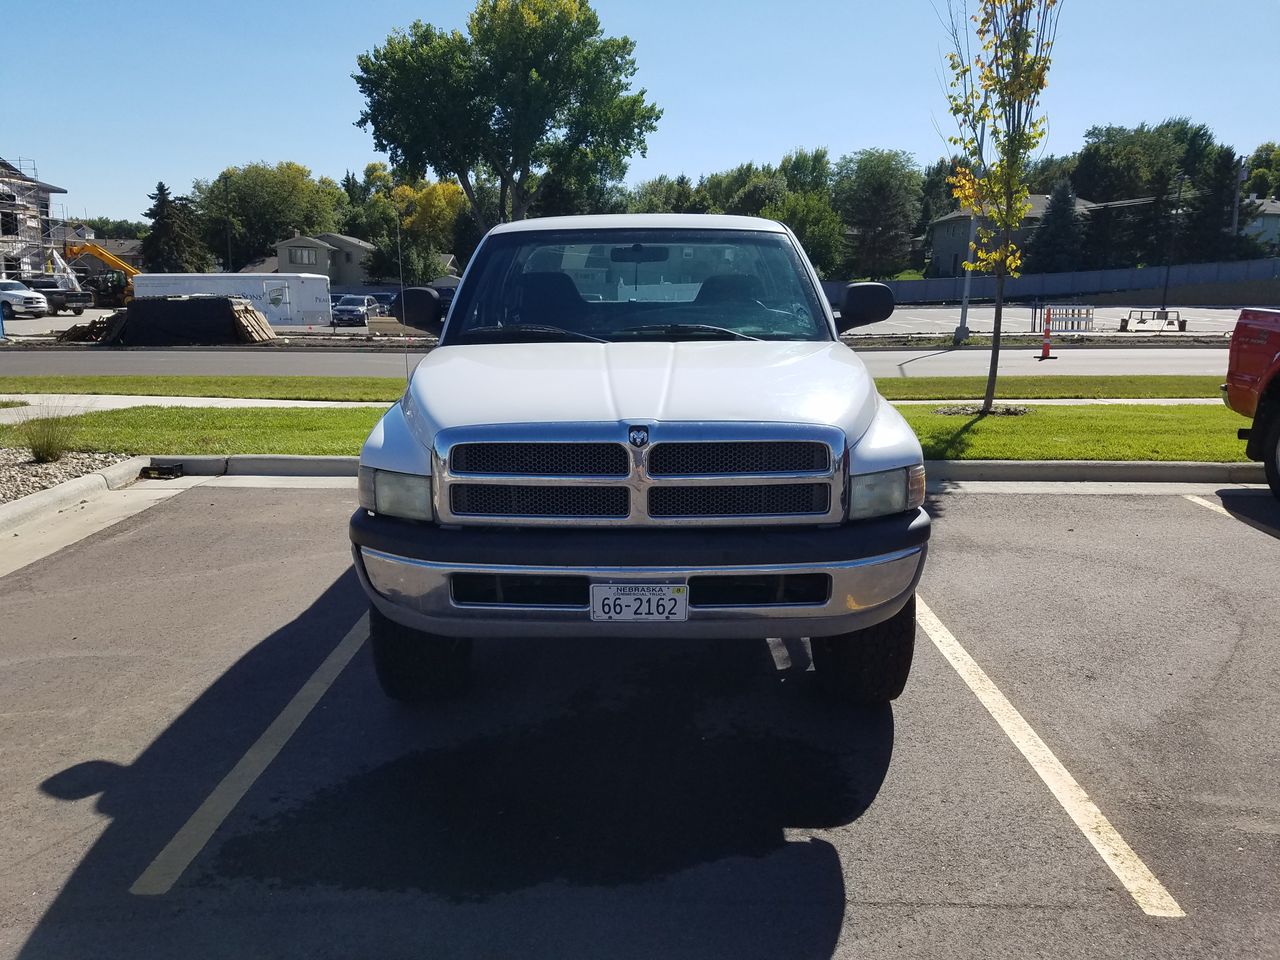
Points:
(187, 843)
(1208, 504)
(1141, 883)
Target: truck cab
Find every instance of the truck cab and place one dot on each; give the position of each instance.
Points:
(643, 426)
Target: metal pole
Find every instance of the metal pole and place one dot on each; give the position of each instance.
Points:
(1235, 210)
(1168, 257)
(962, 331)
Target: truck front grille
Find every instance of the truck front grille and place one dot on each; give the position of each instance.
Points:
(760, 456)
(511, 500)
(542, 459)
(740, 501)
(595, 474)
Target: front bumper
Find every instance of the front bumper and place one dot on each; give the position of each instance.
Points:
(874, 566)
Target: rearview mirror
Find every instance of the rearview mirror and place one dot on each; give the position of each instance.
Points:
(864, 303)
(639, 253)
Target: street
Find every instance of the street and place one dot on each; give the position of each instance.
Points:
(191, 715)
(331, 362)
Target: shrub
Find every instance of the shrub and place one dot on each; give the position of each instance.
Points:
(47, 437)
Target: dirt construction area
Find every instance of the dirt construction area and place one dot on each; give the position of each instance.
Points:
(199, 763)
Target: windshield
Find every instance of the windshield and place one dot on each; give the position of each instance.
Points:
(12, 285)
(351, 302)
(651, 284)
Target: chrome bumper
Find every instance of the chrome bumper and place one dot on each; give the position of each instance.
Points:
(417, 593)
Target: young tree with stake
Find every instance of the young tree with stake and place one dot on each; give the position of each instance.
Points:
(995, 98)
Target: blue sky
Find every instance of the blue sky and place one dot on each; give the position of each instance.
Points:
(176, 90)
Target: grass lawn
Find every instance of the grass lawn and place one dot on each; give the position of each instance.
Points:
(1047, 387)
(390, 388)
(11, 403)
(1083, 433)
(262, 388)
(1047, 433)
(195, 430)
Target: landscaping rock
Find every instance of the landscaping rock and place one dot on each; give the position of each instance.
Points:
(19, 475)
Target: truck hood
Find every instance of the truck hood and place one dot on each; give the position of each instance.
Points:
(778, 382)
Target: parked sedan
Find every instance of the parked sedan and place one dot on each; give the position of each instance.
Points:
(384, 303)
(354, 310)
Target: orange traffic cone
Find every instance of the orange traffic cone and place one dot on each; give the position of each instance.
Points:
(1044, 344)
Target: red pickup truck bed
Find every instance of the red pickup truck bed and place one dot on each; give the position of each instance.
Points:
(1253, 385)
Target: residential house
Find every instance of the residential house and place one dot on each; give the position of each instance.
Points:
(1266, 225)
(346, 261)
(948, 235)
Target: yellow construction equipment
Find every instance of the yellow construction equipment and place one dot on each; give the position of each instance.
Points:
(113, 288)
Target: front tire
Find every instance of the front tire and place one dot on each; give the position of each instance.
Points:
(1271, 452)
(868, 666)
(77, 311)
(417, 667)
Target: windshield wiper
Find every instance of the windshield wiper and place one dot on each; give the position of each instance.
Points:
(503, 331)
(675, 329)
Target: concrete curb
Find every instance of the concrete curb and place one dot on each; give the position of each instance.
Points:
(1099, 471)
(262, 465)
(70, 492)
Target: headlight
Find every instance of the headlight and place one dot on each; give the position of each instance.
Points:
(404, 495)
(885, 493)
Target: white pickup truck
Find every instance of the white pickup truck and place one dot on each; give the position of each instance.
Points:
(642, 426)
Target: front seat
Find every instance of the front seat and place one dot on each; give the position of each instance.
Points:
(729, 288)
(550, 298)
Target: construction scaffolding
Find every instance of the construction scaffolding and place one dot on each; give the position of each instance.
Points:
(31, 237)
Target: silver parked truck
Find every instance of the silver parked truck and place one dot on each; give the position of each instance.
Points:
(638, 427)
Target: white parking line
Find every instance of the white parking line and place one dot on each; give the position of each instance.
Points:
(178, 853)
(1141, 883)
(1208, 504)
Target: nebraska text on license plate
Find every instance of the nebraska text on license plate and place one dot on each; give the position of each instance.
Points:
(639, 601)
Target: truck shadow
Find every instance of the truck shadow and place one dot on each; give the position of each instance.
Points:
(1257, 508)
(586, 798)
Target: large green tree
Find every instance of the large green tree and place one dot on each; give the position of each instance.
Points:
(816, 225)
(877, 195)
(665, 194)
(172, 243)
(1055, 244)
(245, 210)
(533, 88)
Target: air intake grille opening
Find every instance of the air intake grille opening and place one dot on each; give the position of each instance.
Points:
(503, 500)
(753, 500)
(520, 590)
(754, 456)
(542, 459)
(759, 590)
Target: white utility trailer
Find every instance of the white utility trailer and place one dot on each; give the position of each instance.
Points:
(298, 300)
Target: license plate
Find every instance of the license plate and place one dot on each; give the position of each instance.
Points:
(658, 602)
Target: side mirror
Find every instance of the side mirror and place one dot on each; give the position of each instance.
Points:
(864, 303)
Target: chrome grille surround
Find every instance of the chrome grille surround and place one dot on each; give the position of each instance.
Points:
(814, 496)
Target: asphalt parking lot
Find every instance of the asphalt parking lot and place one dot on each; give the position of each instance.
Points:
(198, 761)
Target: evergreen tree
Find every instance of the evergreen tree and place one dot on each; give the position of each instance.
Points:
(1055, 244)
(173, 244)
